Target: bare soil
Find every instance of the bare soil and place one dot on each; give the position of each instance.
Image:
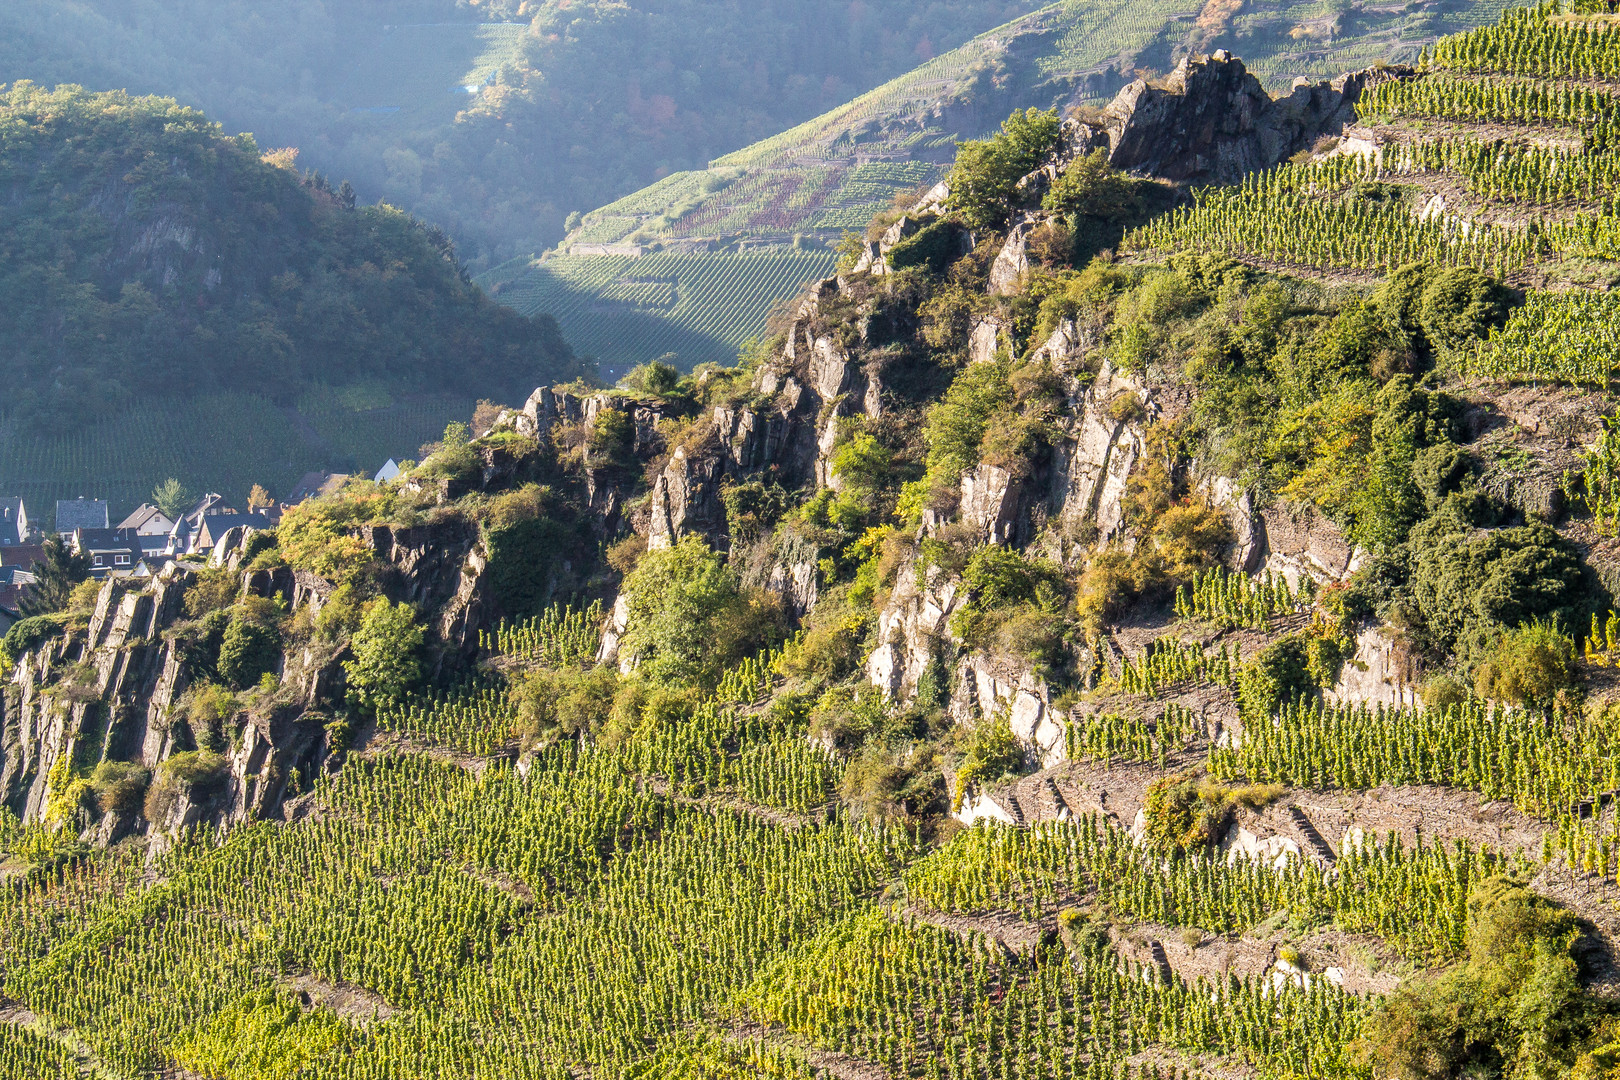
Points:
(356, 1004)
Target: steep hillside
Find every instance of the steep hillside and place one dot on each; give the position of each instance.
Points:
(1036, 661)
(146, 258)
(811, 183)
(492, 120)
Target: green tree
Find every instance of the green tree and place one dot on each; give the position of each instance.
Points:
(985, 178)
(58, 570)
(387, 662)
(249, 650)
(1514, 1008)
(689, 616)
(172, 498)
(1091, 187)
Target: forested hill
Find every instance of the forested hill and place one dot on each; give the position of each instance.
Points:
(143, 253)
(493, 118)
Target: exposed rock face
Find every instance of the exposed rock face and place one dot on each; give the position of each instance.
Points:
(1104, 438)
(1298, 542)
(1012, 261)
(913, 629)
(109, 692)
(1212, 122)
(1380, 673)
(985, 687)
(686, 499)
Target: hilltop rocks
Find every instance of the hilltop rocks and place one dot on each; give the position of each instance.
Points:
(1212, 122)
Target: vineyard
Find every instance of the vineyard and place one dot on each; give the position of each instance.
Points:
(625, 311)
(1521, 114)
(872, 782)
(835, 172)
(220, 442)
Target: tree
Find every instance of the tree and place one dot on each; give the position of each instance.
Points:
(249, 649)
(689, 616)
(56, 573)
(985, 178)
(1514, 1008)
(1093, 188)
(172, 498)
(387, 664)
(258, 496)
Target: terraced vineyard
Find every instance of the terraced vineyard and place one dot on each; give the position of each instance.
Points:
(1492, 156)
(625, 311)
(219, 442)
(836, 171)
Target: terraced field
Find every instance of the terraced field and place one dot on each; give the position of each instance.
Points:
(625, 311)
(217, 442)
(836, 171)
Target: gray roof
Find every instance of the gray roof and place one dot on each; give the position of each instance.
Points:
(11, 521)
(74, 514)
(143, 513)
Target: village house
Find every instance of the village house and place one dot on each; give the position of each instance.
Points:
(15, 528)
(112, 552)
(81, 513)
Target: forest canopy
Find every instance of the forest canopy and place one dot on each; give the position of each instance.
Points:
(143, 252)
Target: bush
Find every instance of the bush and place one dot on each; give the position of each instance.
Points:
(120, 786)
(1091, 187)
(261, 1034)
(1181, 814)
(1532, 666)
(1281, 672)
(1460, 305)
(386, 665)
(933, 247)
(213, 590)
(206, 708)
(28, 634)
(1514, 1007)
(249, 648)
(991, 752)
(571, 703)
(881, 784)
(1466, 584)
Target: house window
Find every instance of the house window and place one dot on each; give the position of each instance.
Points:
(120, 560)
(98, 561)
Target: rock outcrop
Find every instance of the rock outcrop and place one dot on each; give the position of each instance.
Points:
(1212, 122)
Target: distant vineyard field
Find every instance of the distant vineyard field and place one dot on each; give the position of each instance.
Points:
(836, 171)
(625, 311)
(217, 442)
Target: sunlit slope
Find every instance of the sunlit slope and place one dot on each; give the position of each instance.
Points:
(625, 311)
(835, 172)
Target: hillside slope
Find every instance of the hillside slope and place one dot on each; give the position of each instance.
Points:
(149, 259)
(1036, 661)
(834, 173)
(494, 120)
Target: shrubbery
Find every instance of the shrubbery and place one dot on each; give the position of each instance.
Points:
(690, 616)
(1514, 1008)
(387, 664)
(986, 173)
